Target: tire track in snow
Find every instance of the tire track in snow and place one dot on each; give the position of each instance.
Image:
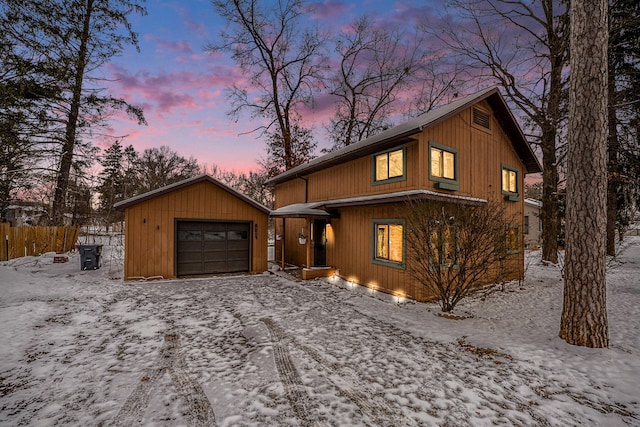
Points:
(293, 387)
(346, 381)
(169, 360)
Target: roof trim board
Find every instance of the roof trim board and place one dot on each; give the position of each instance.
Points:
(185, 183)
(317, 209)
(405, 132)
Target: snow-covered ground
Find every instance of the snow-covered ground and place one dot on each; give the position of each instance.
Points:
(85, 348)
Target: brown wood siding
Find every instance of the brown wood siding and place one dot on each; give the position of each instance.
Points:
(355, 178)
(150, 227)
(290, 192)
(352, 251)
(481, 152)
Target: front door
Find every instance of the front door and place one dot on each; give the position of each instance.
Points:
(319, 243)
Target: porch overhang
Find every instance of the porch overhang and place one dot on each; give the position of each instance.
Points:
(400, 197)
(323, 209)
(301, 210)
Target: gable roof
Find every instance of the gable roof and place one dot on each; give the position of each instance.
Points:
(404, 133)
(185, 183)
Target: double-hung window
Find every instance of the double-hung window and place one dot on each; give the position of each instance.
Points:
(443, 166)
(510, 183)
(388, 242)
(389, 166)
(513, 239)
(444, 242)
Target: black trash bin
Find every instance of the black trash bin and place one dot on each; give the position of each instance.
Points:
(90, 256)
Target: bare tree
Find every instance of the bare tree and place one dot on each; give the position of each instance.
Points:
(158, 167)
(375, 63)
(250, 184)
(524, 47)
(280, 58)
(584, 312)
(453, 248)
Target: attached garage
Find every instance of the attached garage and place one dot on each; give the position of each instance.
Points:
(198, 226)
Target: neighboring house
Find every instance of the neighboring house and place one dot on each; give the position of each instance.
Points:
(532, 226)
(349, 201)
(23, 214)
(193, 227)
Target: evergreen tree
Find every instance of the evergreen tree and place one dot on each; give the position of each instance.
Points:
(112, 181)
(61, 44)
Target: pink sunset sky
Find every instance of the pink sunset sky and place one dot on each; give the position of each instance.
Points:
(182, 88)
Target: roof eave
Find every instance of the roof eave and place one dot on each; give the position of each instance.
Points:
(122, 205)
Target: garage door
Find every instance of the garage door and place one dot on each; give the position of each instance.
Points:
(205, 247)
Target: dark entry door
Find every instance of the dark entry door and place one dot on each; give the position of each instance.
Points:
(206, 247)
(319, 242)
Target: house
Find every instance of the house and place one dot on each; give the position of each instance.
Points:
(532, 225)
(23, 214)
(469, 151)
(193, 227)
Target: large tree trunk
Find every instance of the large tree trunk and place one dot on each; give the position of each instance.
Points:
(66, 160)
(584, 312)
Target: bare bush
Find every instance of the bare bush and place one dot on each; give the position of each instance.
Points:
(452, 248)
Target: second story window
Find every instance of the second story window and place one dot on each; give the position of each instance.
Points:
(389, 166)
(510, 183)
(443, 167)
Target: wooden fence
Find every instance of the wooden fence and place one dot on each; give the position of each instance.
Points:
(27, 241)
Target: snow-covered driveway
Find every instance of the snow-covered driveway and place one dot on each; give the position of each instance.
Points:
(81, 348)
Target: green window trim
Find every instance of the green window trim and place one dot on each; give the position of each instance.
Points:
(443, 183)
(511, 196)
(389, 180)
(454, 232)
(374, 242)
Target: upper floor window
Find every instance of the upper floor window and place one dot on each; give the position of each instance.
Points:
(526, 224)
(443, 166)
(388, 242)
(389, 166)
(510, 183)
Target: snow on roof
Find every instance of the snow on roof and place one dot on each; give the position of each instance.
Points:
(301, 210)
(315, 208)
(405, 130)
(186, 182)
(533, 202)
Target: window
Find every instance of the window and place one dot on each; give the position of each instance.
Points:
(444, 241)
(443, 166)
(388, 242)
(510, 183)
(389, 166)
(526, 224)
(513, 239)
